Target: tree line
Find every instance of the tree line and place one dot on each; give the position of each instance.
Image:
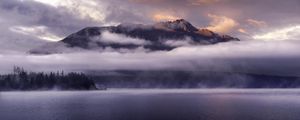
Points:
(24, 80)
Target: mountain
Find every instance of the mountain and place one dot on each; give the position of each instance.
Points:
(160, 36)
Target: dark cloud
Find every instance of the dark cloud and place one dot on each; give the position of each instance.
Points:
(29, 15)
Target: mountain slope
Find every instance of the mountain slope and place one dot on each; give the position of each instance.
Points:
(160, 36)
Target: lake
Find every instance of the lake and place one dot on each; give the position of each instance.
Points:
(118, 104)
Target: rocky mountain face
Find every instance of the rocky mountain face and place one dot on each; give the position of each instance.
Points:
(160, 36)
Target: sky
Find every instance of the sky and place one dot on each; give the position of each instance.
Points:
(52, 20)
(268, 28)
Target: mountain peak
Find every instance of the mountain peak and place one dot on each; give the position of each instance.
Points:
(179, 25)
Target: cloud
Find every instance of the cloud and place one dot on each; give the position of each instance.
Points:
(164, 17)
(221, 24)
(80, 8)
(106, 42)
(287, 33)
(252, 56)
(107, 37)
(26, 24)
(257, 23)
(39, 32)
(179, 43)
(241, 30)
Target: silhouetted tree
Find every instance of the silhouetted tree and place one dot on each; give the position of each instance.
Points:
(22, 80)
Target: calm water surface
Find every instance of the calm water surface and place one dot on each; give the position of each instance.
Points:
(214, 104)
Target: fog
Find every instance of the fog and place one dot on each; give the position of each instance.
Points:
(108, 37)
(249, 56)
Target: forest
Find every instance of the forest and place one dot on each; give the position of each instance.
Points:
(21, 79)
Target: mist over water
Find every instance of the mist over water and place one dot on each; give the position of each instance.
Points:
(208, 104)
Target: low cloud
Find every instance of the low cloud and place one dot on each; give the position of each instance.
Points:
(107, 37)
(287, 33)
(179, 43)
(252, 56)
(257, 23)
(40, 32)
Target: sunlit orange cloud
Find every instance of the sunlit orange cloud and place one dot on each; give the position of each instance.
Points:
(241, 30)
(164, 17)
(221, 24)
(257, 23)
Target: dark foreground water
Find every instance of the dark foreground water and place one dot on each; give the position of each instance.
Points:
(152, 105)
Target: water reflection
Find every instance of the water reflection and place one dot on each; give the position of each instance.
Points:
(215, 104)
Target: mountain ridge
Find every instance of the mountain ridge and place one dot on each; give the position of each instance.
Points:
(160, 36)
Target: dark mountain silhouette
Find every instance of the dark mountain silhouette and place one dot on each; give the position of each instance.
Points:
(160, 36)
